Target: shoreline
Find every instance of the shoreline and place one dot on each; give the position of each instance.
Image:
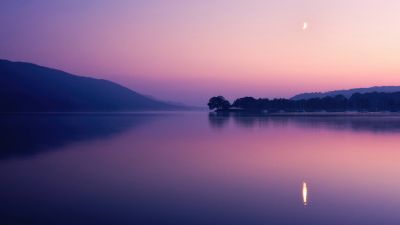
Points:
(306, 114)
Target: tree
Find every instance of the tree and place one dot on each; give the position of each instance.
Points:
(218, 103)
(369, 102)
(248, 103)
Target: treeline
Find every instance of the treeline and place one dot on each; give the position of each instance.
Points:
(367, 102)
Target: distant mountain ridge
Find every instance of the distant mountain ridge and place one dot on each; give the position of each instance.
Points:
(347, 93)
(26, 87)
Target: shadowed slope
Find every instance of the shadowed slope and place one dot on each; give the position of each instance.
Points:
(26, 87)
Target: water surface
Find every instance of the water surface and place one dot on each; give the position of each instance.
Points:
(196, 168)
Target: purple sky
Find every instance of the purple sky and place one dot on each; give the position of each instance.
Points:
(187, 51)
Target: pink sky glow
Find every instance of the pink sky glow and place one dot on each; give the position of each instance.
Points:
(188, 51)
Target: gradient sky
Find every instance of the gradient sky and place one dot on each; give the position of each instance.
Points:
(187, 51)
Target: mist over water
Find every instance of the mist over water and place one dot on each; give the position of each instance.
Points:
(198, 168)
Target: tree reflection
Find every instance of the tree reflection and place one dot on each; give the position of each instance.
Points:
(364, 123)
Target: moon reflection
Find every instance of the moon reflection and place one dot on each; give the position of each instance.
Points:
(305, 26)
(305, 193)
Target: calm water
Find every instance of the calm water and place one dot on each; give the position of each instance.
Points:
(196, 168)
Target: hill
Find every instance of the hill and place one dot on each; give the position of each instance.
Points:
(26, 87)
(347, 93)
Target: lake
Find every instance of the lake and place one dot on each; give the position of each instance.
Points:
(198, 168)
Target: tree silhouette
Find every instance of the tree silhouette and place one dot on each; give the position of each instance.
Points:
(367, 102)
(218, 103)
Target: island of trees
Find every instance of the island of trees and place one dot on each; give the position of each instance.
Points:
(367, 102)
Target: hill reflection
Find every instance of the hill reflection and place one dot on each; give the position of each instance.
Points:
(368, 123)
(28, 134)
